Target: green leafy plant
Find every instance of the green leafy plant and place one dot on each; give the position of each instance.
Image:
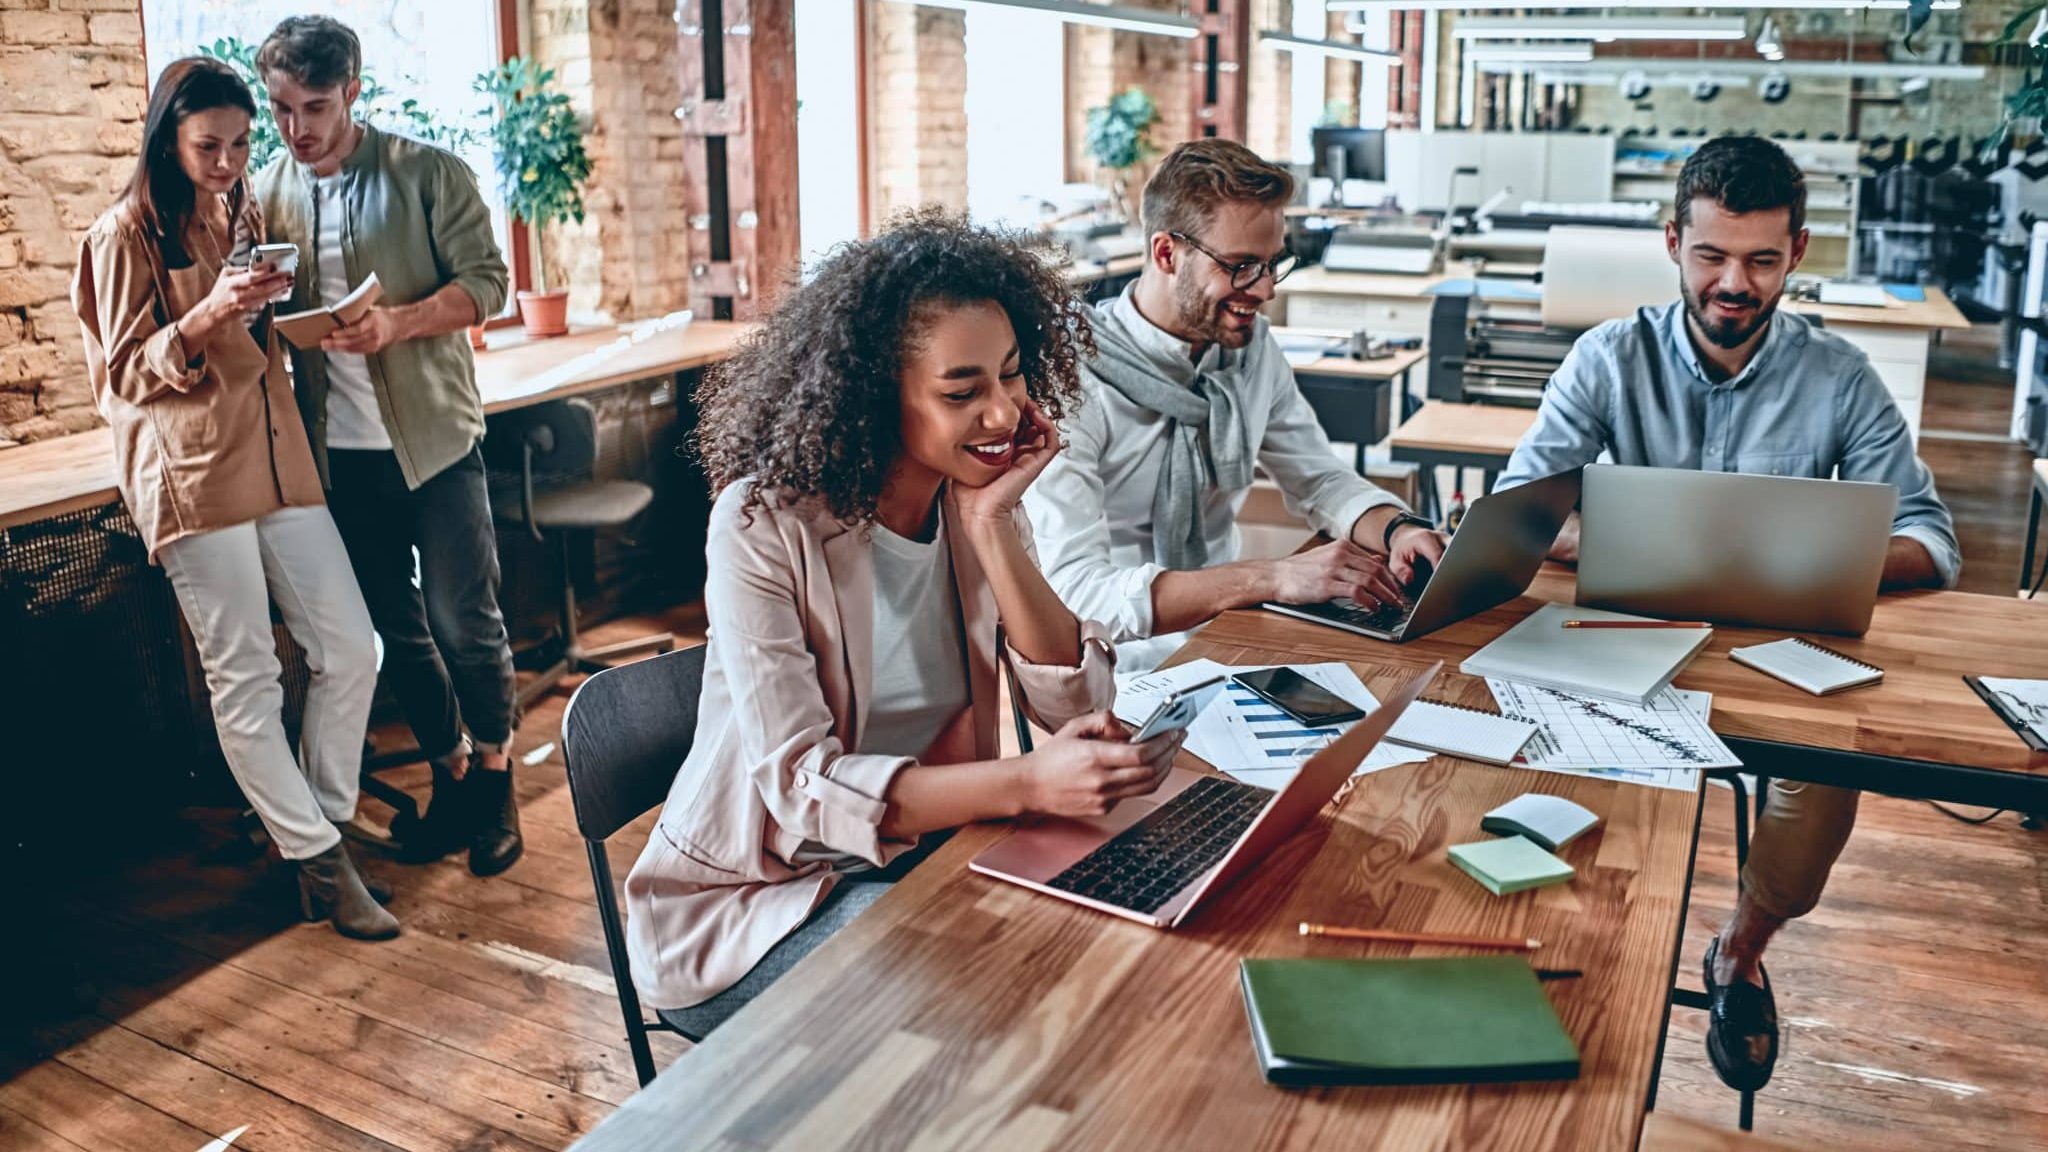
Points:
(1338, 114)
(378, 104)
(537, 142)
(1119, 133)
(2030, 100)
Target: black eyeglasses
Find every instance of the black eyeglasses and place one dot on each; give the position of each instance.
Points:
(1243, 276)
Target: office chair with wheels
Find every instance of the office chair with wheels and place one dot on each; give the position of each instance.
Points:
(625, 734)
(556, 442)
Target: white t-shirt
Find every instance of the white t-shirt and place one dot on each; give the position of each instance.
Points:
(920, 667)
(352, 417)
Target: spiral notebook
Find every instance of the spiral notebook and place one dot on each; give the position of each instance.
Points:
(1463, 732)
(1804, 664)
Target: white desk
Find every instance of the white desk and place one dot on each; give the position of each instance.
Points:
(1895, 338)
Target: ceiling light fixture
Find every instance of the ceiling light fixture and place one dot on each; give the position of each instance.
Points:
(1120, 17)
(1530, 53)
(1611, 70)
(1564, 5)
(1618, 28)
(1768, 45)
(1338, 48)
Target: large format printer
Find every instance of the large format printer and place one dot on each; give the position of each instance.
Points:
(1493, 343)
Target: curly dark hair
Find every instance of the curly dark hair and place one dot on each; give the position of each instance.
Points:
(809, 405)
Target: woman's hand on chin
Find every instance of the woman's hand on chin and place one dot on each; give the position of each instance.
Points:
(995, 502)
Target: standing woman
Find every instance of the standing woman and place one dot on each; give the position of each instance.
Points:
(214, 466)
(872, 443)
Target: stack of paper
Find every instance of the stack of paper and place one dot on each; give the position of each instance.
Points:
(1664, 744)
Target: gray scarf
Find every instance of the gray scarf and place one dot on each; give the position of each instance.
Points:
(1208, 442)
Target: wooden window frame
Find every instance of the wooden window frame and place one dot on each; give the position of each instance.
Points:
(518, 235)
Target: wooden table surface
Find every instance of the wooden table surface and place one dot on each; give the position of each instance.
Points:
(1441, 426)
(52, 477)
(960, 1012)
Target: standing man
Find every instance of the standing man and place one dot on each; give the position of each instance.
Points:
(1723, 381)
(392, 407)
(1137, 520)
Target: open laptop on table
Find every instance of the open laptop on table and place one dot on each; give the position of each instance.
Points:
(1734, 548)
(1154, 858)
(1498, 548)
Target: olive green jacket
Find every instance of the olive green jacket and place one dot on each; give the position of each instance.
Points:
(416, 219)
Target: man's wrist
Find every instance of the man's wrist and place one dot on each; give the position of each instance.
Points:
(1397, 522)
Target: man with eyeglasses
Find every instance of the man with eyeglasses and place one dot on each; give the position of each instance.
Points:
(1136, 521)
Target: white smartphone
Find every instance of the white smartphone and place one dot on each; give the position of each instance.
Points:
(1178, 710)
(276, 257)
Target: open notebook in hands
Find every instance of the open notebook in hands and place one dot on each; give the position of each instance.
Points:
(1155, 858)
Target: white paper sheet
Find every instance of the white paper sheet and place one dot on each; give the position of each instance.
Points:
(1663, 744)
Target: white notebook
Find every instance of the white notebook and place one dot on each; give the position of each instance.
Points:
(1630, 665)
(1463, 732)
(1807, 665)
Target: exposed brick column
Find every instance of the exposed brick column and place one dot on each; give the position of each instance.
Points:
(617, 62)
(917, 108)
(71, 104)
(1216, 69)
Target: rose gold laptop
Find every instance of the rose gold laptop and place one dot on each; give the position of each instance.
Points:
(1154, 858)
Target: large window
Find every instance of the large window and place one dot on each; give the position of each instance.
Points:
(428, 53)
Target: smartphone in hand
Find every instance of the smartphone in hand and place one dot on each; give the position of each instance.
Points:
(275, 258)
(1301, 698)
(1178, 710)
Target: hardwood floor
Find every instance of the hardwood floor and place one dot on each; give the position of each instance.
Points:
(169, 996)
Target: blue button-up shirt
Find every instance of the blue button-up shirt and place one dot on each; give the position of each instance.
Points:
(1808, 404)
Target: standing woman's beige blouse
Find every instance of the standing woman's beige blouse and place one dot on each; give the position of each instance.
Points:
(205, 437)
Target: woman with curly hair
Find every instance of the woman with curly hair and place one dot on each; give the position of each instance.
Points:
(872, 443)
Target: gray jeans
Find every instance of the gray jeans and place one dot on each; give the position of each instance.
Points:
(854, 894)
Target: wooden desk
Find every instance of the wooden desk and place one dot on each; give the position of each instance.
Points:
(1356, 401)
(53, 477)
(960, 1012)
(1461, 436)
(1663, 1132)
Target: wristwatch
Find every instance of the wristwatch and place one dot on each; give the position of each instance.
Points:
(1394, 525)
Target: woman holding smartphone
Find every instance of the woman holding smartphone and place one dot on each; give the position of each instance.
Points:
(872, 442)
(215, 469)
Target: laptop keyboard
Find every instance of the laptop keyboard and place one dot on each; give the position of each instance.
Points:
(1382, 618)
(1147, 863)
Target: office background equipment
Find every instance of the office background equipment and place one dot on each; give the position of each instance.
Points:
(1551, 822)
(1592, 275)
(1349, 153)
(1429, 1020)
(1804, 664)
(1688, 545)
(1631, 666)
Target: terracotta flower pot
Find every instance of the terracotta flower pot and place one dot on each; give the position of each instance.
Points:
(476, 337)
(545, 313)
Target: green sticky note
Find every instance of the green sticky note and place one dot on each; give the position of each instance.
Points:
(1511, 864)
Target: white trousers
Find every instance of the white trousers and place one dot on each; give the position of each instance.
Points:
(225, 581)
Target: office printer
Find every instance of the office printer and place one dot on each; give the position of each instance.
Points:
(1499, 342)
(1403, 244)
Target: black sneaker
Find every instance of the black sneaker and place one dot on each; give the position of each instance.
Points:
(1742, 1028)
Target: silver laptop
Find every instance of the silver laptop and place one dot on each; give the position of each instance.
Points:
(1498, 547)
(1732, 548)
(1154, 858)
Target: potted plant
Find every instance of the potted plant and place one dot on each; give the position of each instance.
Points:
(1119, 138)
(541, 166)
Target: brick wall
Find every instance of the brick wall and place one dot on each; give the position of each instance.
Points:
(71, 103)
(917, 109)
(617, 61)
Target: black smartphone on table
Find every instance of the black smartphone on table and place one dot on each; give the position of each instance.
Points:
(1308, 702)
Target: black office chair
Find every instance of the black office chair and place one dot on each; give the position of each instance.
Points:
(625, 733)
(551, 449)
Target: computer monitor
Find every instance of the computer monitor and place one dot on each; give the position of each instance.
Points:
(1361, 153)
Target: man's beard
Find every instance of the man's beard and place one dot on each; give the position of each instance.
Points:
(1727, 333)
(1199, 320)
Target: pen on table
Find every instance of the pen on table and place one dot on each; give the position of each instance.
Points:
(1386, 936)
(1636, 624)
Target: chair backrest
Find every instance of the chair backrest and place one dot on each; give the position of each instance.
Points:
(625, 733)
(563, 434)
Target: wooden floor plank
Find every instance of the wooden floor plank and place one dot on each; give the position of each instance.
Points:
(20, 1134)
(75, 1107)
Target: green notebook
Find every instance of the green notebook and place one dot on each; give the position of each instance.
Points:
(1510, 864)
(1434, 1020)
